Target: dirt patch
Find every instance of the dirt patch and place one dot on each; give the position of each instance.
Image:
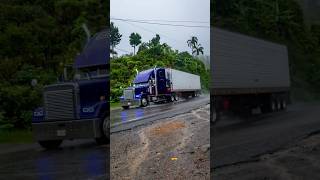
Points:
(167, 128)
(173, 148)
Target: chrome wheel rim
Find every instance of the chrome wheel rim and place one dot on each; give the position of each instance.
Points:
(144, 101)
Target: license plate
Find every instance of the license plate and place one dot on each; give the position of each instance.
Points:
(61, 132)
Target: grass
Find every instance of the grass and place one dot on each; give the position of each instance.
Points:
(115, 105)
(16, 136)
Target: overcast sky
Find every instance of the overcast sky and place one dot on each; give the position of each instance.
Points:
(170, 10)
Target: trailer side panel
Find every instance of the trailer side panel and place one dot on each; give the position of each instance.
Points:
(245, 64)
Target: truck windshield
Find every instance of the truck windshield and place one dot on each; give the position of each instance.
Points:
(91, 73)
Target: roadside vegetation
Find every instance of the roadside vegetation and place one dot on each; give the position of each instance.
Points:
(37, 39)
(280, 21)
(146, 55)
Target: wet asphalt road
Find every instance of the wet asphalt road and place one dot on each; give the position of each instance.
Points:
(81, 159)
(120, 115)
(135, 116)
(237, 141)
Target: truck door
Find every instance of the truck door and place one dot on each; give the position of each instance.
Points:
(161, 81)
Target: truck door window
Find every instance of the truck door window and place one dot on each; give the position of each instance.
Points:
(161, 74)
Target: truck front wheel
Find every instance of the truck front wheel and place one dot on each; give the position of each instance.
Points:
(105, 138)
(144, 102)
(50, 144)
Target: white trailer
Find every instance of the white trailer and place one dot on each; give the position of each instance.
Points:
(184, 83)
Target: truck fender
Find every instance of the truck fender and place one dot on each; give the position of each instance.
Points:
(102, 109)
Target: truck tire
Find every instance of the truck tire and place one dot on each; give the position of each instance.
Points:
(273, 105)
(172, 98)
(105, 138)
(144, 102)
(125, 107)
(283, 104)
(279, 105)
(50, 144)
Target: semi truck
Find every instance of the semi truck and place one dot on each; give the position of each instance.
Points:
(248, 74)
(160, 85)
(77, 108)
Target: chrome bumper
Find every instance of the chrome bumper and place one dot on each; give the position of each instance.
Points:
(74, 129)
(130, 102)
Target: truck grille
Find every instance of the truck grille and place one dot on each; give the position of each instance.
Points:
(59, 104)
(128, 94)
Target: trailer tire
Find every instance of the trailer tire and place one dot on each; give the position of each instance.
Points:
(50, 144)
(283, 104)
(125, 107)
(273, 105)
(144, 102)
(172, 98)
(279, 104)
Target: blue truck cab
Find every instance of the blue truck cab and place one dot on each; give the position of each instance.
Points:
(152, 85)
(78, 108)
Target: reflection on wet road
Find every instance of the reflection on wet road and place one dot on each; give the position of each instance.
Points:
(137, 112)
(77, 160)
(121, 116)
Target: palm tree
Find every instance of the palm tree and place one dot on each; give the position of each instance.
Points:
(192, 43)
(135, 40)
(115, 38)
(195, 47)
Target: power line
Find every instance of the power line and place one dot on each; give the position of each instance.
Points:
(160, 20)
(122, 50)
(163, 24)
(148, 30)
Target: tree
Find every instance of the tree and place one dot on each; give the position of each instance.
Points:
(195, 47)
(192, 42)
(115, 37)
(135, 40)
(155, 41)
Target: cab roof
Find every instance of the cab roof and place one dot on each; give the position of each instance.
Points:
(95, 53)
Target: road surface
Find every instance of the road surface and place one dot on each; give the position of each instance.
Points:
(136, 116)
(81, 159)
(171, 148)
(263, 146)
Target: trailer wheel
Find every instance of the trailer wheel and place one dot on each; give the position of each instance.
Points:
(279, 105)
(172, 98)
(273, 106)
(125, 107)
(144, 102)
(283, 104)
(50, 144)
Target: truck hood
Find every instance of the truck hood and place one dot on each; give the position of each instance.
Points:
(90, 94)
